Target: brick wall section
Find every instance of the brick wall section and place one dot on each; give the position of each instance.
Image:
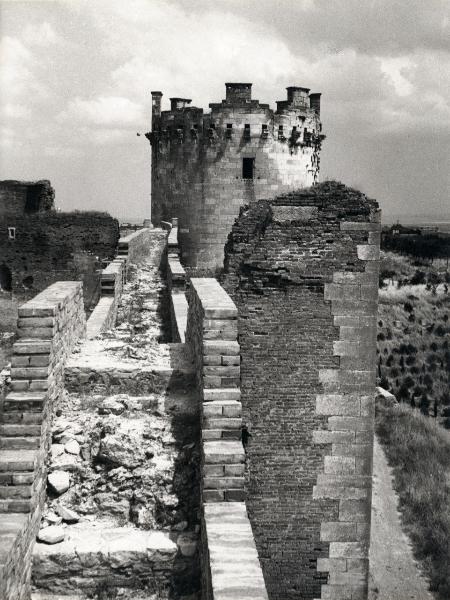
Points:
(49, 326)
(303, 272)
(230, 563)
(197, 165)
(50, 246)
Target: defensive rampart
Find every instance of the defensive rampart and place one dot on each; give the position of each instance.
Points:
(303, 272)
(230, 565)
(49, 326)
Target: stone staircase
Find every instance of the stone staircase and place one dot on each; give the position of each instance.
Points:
(48, 327)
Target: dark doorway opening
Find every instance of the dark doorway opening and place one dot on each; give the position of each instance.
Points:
(248, 167)
(5, 278)
(32, 202)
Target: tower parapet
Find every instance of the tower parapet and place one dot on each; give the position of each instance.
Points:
(205, 166)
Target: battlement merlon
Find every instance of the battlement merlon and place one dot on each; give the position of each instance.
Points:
(179, 103)
(156, 104)
(239, 96)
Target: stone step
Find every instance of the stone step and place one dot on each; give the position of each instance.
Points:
(24, 401)
(21, 418)
(223, 452)
(16, 478)
(19, 430)
(13, 492)
(18, 460)
(124, 557)
(19, 443)
(18, 505)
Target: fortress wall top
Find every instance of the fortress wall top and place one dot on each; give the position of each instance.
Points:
(303, 271)
(206, 165)
(49, 326)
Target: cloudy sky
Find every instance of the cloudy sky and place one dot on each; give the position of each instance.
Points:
(75, 80)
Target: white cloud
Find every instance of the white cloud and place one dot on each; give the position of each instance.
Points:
(41, 34)
(103, 111)
(397, 69)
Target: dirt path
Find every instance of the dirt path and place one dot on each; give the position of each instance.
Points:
(394, 574)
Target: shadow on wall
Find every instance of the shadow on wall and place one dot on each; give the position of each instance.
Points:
(5, 278)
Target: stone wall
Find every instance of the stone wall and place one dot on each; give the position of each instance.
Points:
(103, 317)
(135, 245)
(50, 246)
(230, 566)
(198, 163)
(25, 197)
(176, 283)
(48, 326)
(303, 272)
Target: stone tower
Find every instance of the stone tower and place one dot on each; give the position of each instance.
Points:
(205, 166)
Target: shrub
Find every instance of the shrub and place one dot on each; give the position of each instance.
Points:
(408, 307)
(418, 278)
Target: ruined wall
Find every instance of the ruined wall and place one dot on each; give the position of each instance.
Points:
(51, 246)
(303, 272)
(18, 198)
(48, 326)
(197, 162)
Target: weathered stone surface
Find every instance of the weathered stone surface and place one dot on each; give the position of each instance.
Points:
(111, 406)
(92, 556)
(67, 515)
(51, 535)
(72, 447)
(59, 482)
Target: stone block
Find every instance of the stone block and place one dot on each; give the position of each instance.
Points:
(368, 252)
(338, 404)
(339, 464)
(335, 531)
(222, 347)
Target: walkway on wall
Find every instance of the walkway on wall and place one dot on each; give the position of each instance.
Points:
(394, 574)
(131, 406)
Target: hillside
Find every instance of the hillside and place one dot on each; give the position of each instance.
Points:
(413, 333)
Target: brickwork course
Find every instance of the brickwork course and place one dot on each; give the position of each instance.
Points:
(198, 171)
(302, 270)
(49, 325)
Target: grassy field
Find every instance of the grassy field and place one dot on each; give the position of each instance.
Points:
(413, 334)
(418, 449)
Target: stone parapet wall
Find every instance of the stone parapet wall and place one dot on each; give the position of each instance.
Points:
(49, 326)
(212, 337)
(135, 246)
(104, 315)
(303, 272)
(176, 282)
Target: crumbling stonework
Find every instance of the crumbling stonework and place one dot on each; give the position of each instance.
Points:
(49, 325)
(25, 197)
(205, 166)
(39, 245)
(303, 272)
